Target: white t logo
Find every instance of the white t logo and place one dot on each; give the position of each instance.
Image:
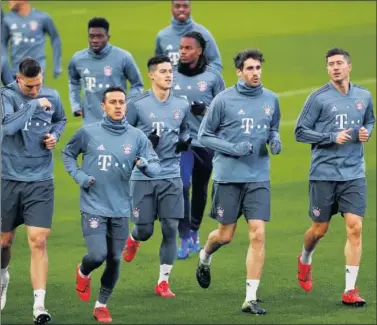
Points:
(174, 57)
(341, 120)
(26, 124)
(158, 126)
(90, 83)
(104, 161)
(247, 124)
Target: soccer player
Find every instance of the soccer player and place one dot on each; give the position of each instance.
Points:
(110, 150)
(240, 123)
(6, 74)
(100, 66)
(168, 39)
(33, 120)
(336, 121)
(162, 116)
(199, 84)
(24, 31)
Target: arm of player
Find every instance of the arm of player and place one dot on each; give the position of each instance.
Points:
(148, 162)
(5, 36)
(132, 113)
(59, 120)
(207, 133)
(158, 50)
(133, 75)
(184, 139)
(13, 121)
(71, 151)
(184, 130)
(304, 126)
(274, 137)
(212, 52)
(369, 118)
(74, 85)
(6, 74)
(50, 29)
(219, 86)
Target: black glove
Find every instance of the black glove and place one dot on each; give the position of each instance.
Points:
(183, 145)
(198, 108)
(154, 138)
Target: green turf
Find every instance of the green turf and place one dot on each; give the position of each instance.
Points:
(294, 37)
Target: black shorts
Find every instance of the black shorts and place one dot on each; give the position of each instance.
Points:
(331, 197)
(29, 203)
(231, 200)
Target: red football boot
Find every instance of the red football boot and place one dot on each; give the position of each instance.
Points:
(304, 275)
(352, 297)
(130, 250)
(102, 315)
(163, 290)
(82, 285)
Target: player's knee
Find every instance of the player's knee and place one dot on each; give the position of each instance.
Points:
(114, 259)
(354, 229)
(98, 256)
(169, 228)
(145, 231)
(7, 239)
(319, 229)
(38, 241)
(225, 239)
(257, 236)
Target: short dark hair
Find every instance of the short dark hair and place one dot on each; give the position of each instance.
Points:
(29, 67)
(198, 37)
(112, 89)
(241, 57)
(338, 51)
(99, 22)
(154, 61)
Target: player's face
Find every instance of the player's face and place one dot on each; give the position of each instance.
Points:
(162, 76)
(115, 105)
(98, 38)
(30, 87)
(15, 4)
(338, 68)
(189, 51)
(181, 10)
(251, 72)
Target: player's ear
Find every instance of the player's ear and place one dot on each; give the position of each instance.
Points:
(350, 67)
(108, 37)
(239, 73)
(103, 106)
(150, 75)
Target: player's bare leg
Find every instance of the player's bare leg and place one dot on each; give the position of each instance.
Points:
(311, 239)
(352, 252)
(6, 245)
(254, 265)
(217, 238)
(37, 238)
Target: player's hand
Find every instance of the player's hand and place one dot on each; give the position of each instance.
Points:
(154, 138)
(45, 103)
(343, 136)
(89, 181)
(363, 134)
(78, 113)
(198, 108)
(275, 146)
(49, 141)
(57, 73)
(183, 145)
